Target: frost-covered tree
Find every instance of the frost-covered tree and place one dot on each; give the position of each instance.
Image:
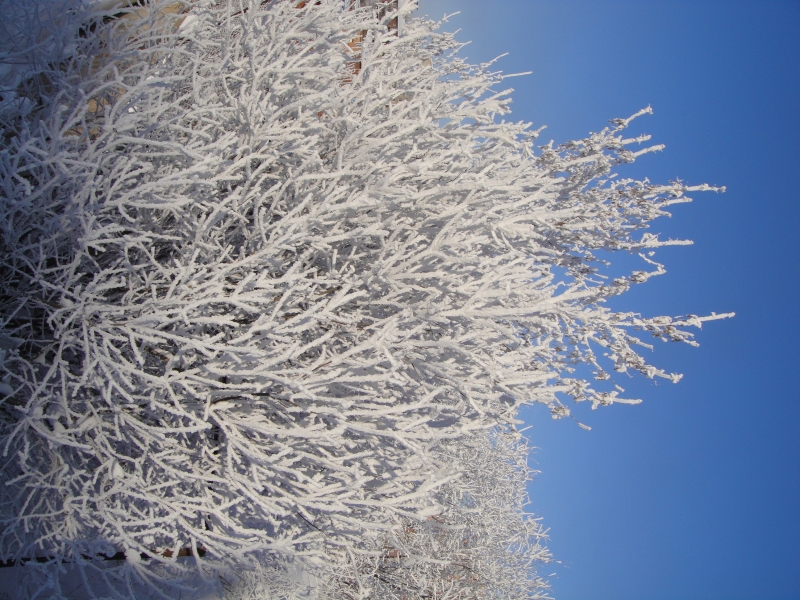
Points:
(480, 544)
(275, 283)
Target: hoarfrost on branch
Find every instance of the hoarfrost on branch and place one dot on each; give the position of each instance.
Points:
(274, 298)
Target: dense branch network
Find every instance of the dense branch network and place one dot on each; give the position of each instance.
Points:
(266, 309)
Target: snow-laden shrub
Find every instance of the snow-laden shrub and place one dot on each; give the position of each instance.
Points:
(480, 544)
(261, 284)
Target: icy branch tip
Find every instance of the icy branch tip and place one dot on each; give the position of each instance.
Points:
(704, 187)
(623, 123)
(715, 317)
(516, 74)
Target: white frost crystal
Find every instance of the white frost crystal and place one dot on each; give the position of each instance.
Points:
(275, 283)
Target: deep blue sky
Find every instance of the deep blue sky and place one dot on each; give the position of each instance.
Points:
(695, 494)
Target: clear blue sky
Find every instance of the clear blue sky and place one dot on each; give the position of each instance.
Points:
(694, 494)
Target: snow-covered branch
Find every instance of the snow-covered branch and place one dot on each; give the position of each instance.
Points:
(257, 303)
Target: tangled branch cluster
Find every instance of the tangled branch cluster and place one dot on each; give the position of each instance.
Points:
(256, 305)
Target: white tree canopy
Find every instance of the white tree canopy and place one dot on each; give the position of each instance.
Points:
(275, 284)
